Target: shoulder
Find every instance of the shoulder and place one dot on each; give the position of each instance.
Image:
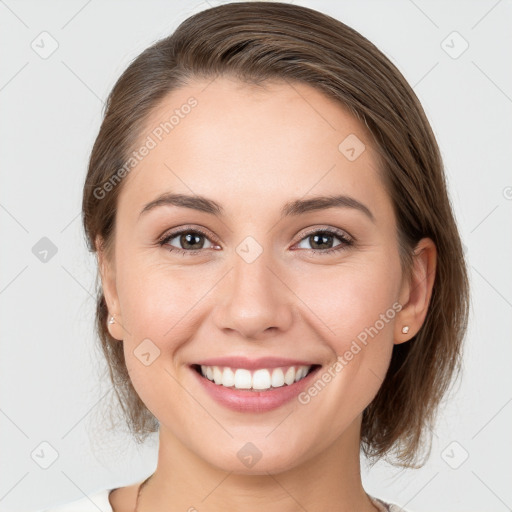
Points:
(95, 502)
(384, 506)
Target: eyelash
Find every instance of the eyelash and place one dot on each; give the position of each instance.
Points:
(346, 242)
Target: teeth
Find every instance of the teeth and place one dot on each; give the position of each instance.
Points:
(228, 377)
(260, 379)
(277, 378)
(242, 379)
(289, 376)
(217, 375)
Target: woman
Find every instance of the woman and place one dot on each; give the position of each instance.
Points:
(282, 278)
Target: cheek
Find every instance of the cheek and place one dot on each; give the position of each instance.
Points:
(354, 308)
(154, 304)
(155, 298)
(352, 302)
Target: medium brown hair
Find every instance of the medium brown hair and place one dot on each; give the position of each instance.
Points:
(256, 41)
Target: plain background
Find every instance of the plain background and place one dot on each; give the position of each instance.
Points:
(51, 385)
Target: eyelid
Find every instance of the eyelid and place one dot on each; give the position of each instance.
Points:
(185, 229)
(345, 237)
(331, 229)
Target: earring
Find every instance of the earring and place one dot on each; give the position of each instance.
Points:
(405, 329)
(111, 320)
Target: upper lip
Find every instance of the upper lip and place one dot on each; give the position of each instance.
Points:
(253, 364)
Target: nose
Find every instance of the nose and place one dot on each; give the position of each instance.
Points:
(254, 300)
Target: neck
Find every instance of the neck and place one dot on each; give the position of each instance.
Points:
(328, 480)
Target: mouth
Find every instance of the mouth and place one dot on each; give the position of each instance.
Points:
(256, 380)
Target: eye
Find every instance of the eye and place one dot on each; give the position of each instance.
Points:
(319, 239)
(191, 241)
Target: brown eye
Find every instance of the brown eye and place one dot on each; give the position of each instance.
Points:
(323, 241)
(187, 241)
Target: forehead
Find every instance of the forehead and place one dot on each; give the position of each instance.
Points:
(238, 143)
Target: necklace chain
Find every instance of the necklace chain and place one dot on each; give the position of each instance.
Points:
(141, 486)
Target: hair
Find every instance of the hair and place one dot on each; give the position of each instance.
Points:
(258, 41)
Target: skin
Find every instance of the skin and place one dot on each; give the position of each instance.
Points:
(253, 149)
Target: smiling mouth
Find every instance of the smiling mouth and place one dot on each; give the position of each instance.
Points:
(263, 379)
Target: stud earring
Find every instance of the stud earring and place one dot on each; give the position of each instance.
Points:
(111, 320)
(405, 329)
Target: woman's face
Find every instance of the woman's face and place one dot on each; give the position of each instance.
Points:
(254, 283)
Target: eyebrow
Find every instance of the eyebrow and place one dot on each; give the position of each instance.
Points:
(292, 208)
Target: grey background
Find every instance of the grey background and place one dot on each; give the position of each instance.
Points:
(52, 389)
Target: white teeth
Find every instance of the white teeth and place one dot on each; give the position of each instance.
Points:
(228, 377)
(261, 379)
(217, 375)
(300, 373)
(277, 378)
(289, 376)
(242, 379)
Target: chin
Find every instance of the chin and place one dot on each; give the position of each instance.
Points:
(246, 458)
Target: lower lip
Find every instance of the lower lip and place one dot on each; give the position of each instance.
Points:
(254, 401)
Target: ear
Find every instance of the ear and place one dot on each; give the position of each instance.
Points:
(108, 284)
(416, 292)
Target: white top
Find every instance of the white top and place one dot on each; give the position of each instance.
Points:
(99, 502)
